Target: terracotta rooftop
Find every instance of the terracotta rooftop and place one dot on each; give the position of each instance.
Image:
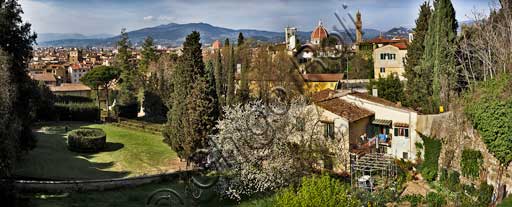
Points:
(66, 87)
(323, 77)
(322, 95)
(320, 32)
(400, 45)
(344, 109)
(43, 77)
(379, 100)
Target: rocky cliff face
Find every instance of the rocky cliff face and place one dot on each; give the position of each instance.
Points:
(457, 133)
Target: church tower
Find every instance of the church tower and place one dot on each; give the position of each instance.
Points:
(359, 28)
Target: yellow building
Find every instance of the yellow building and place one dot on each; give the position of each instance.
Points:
(390, 59)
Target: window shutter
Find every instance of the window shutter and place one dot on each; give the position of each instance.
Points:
(396, 131)
(406, 132)
(326, 130)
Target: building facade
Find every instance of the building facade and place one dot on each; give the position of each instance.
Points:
(390, 60)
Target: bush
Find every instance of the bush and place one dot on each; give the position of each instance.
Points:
(453, 181)
(506, 202)
(128, 111)
(86, 140)
(471, 163)
(414, 200)
(317, 191)
(72, 99)
(485, 194)
(435, 200)
(86, 111)
(432, 151)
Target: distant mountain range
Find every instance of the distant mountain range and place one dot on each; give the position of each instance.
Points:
(45, 37)
(174, 34)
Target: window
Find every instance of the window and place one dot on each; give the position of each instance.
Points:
(329, 130)
(404, 132)
(382, 70)
(405, 155)
(389, 56)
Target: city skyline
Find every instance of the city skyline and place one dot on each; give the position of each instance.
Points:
(99, 17)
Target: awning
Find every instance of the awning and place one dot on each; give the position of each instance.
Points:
(403, 125)
(382, 122)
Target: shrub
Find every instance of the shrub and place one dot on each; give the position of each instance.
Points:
(128, 111)
(471, 163)
(414, 200)
(86, 140)
(444, 176)
(72, 99)
(86, 111)
(430, 165)
(453, 181)
(317, 191)
(506, 202)
(435, 199)
(485, 194)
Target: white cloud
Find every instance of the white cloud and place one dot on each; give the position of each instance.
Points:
(149, 18)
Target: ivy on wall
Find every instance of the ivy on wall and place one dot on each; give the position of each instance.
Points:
(490, 110)
(432, 151)
(471, 163)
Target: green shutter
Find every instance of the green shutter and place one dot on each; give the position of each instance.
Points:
(396, 131)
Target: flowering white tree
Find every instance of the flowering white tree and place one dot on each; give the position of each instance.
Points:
(258, 149)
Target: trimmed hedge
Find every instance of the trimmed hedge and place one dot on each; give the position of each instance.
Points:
(72, 99)
(87, 140)
(128, 111)
(77, 111)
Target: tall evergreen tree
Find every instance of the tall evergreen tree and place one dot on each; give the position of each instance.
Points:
(127, 95)
(17, 93)
(226, 42)
(211, 92)
(244, 58)
(148, 54)
(418, 88)
(230, 70)
(16, 40)
(439, 55)
(220, 78)
(191, 118)
(240, 39)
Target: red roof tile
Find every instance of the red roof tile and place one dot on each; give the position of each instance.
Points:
(344, 109)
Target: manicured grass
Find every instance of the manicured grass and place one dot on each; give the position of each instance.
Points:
(128, 153)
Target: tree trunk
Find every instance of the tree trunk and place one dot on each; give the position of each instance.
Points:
(107, 102)
(99, 102)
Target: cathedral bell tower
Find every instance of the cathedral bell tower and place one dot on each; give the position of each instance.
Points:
(359, 28)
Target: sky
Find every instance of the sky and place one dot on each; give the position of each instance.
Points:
(110, 16)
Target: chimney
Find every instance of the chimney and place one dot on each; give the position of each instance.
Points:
(375, 92)
(238, 68)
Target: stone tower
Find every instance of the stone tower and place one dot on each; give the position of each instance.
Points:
(359, 28)
(291, 38)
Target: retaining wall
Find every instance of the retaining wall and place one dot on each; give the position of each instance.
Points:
(95, 185)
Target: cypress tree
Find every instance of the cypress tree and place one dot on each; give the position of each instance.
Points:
(16, 40)
(240, 39)
(190, 119)
(127, 94)
(418, 88)
(439, 55)
(211, 92)
(230, 93)
(226, 42)
(219, 77)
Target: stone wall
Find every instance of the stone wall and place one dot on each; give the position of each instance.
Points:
(457, 133)
(94, 185)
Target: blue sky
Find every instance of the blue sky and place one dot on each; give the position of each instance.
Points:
(109, 16)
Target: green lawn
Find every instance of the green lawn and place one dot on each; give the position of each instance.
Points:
(128, 153)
